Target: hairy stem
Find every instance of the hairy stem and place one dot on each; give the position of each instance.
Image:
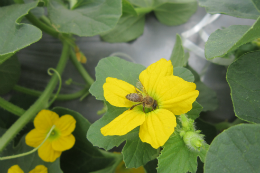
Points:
(11, 107)
(80, 68)
(39, 104)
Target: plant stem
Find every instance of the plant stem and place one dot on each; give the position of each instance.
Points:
(39, 104)
(11, 107)
(60, 96)
(225, 125)
(143, 10)
(80, 68)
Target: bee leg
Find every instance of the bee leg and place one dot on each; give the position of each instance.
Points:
(135, 106)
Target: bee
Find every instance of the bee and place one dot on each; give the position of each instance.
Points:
(142, 98)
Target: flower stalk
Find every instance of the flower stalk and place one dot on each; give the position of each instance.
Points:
(11, 107)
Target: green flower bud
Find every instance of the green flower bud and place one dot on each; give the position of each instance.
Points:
(193, 140)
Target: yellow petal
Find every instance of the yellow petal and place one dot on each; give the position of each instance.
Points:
(152, 74)
(39, 169)
(176, 94)
(45, 120)
(124, 123)
(47, 153)
(63, 143)
(115, 92)
(15, 169)
(158, 127)
(34, 138)
(65, 125)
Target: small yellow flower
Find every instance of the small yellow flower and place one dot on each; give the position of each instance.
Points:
(60, 139)
(37, 169)
(15, 169)
(173, 96)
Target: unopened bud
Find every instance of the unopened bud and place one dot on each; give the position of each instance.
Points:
(193, 140)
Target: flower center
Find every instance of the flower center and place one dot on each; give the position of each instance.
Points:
(54, 134)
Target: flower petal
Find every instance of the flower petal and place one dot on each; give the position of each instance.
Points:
(152, 74)
(39, 169)
(124, 123)
(45, 119)
(115, 92)
(65, 125)
(47, 153)
(63, 143)
(176, 94)
(15, 169)
(158, 127)
(34, 138)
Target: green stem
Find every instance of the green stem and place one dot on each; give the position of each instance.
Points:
(11, 107)
(143, 10)
(62, 97)
(40, 103)
(80, 68)
(225, 125)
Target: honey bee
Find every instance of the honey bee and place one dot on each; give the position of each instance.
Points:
(142, 98)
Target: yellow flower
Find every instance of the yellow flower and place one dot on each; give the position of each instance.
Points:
(60, 139)
(173, 96)
(37, 169)
(15, 169)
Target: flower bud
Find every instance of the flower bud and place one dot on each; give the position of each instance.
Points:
(193, 140)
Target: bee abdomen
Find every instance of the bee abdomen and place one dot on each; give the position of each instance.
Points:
(134, 97)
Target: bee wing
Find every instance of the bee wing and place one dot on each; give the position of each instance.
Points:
(140, 86)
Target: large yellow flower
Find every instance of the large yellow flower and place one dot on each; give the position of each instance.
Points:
(60, 139)
(37, 169)
(173, 96)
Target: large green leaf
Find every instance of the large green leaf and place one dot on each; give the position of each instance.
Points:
(236, 8)
(26, 163)
(82, 157)
(116, 68)
(257, 4)
(89, 18)
(195, 111)
(178, 158)
(9, 74)
(15, 36)
(178, 57)
(128, 28)
(184, 73)
(172, 13)
(236, 149)
(223, 41)
(135, 152)
(243, 77)
(128, 8)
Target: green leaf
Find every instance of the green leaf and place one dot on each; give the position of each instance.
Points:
(128, 8)
(207, 97)
(82, 157)
(243, 77)
(5, 57)
(135, 152)
(9, 74)
(177, 157)
(257, 4)
(184, 73)
(195, 111)
(26, 163)
(116, 68)
(151, 166)
(223, 41)
(15, 36)
(236, 149)
(236, 8)
(178, 57)
(172, 13)
(142, 3)
(128, 28)
(89, 18)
